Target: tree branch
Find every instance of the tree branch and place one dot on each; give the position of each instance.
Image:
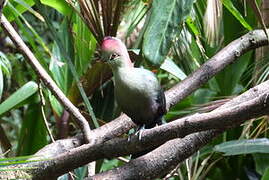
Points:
(46, 79)
(224, 57)
(224, 117)
(107, 147)
(186, 87)
(160, 161)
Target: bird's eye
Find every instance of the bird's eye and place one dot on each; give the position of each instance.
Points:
(113, 56)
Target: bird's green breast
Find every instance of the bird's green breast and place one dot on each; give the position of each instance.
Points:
(136, 91)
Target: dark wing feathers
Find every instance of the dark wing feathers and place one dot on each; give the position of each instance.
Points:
(162, 103)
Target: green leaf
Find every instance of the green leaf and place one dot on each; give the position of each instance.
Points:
(261, 162)
(58, 68)
(229, 5)
(19, 96)
(164, 24)
(266, 175)
(5, 68)
(107, 165)
(84, 43)
(60, 5)
(29, 8)
(56, 106)
(193, 27)
(245, 146)
(229, 79)
(20, 7)
(203, 95)
(169, 66)
(80, 173)
(33, 135)
(5, 64)
(1, 83)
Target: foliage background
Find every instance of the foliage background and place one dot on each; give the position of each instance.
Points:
(171, 38)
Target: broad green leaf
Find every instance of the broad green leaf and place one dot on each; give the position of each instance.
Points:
(169, 66)
(245, 146)
(33, 135)
(229, 5)
(60, 5)
(266, 175)
(203, 95)
(58, 68)
(29, 8)
(229, 79)
(19, 96)
(20, 7)
(261, 162)
(85, 44)
(56, 106)
(164, 24)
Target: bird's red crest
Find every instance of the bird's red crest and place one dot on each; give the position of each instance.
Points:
(109, 43)
(115, 45)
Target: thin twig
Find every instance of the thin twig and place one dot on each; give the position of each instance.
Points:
(172, 173)
(43, 103)
(47, 80)
(123, 159)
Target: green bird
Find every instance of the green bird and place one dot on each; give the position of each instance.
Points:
(137, 90)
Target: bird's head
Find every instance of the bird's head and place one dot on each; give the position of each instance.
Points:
(114, 51)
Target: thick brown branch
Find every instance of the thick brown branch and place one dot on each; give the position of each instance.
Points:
(160, 161)
(224, 57)
(46, 79)
(225, 117)
(247, 42)
(217, 63)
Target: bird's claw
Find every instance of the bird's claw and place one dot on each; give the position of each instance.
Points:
(140, 135)
(139, 132)
(129, 138)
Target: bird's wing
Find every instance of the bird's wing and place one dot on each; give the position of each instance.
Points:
(161, 102)
(155, 86)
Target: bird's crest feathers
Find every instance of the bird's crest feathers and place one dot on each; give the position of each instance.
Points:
(113, 46)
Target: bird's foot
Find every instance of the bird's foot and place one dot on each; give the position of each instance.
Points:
(139, 131)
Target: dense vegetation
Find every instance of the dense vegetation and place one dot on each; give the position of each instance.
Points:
(171, 38)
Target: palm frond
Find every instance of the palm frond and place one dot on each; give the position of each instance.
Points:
(212, 21)
(102, 17)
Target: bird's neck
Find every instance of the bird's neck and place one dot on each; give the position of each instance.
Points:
(121, 62)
